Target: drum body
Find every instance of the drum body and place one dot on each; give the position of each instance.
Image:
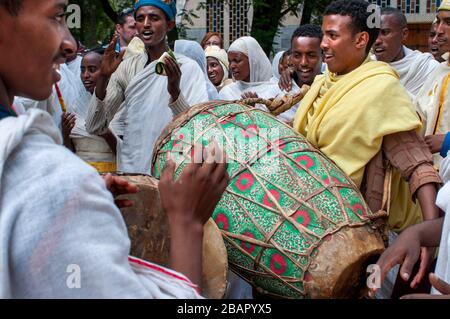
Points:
(148, 229)
(295, 226)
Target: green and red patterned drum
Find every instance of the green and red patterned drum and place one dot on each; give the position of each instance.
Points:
(295, 226)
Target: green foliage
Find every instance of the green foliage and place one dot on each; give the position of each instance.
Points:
(96, 25)
(98, 18)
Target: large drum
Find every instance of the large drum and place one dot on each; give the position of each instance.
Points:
(294, 225)
(148, 229)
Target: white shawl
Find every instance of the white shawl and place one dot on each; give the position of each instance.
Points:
(275, 67)
(194, 51)
(61, 236)
(436, 117)
(414, 69)
(147, 111)
(443, 201)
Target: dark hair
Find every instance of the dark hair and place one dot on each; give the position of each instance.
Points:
(358, 11)
(12, 6)
(122, 16)
(100, 50)
(399, 17)
(308, 31)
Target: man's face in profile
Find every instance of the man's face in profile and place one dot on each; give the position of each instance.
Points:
(29, 61)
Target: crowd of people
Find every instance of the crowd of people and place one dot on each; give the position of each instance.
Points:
(68, 113)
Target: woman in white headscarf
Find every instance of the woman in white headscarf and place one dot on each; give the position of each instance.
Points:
(251, 70)
(194, 51)
(279, 64)
(218, 66)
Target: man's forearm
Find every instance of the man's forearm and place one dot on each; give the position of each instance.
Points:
(426, 195)
(186, 252)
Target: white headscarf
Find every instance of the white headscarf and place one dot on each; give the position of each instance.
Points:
(213, 51)
(275, 67)
(260, 67)
(194, 51)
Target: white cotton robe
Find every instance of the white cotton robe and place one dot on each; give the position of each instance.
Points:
(57, 220)
(147, 111)
(414, 69)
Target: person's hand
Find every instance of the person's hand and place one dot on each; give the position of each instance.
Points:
(426, 258)
(249, 95)
(173, 72)
(120, 186)
(191, 199)
(405, 251)
(111, 60)
(435, 142)
(68, 121)
(285, 82)
(189, 202)
(438, 284)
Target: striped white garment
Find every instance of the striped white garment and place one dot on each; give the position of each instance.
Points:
(147, 107)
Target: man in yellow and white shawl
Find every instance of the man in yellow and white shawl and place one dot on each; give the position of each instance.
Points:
(356, 104)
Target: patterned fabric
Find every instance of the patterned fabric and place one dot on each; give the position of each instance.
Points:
(285, 197)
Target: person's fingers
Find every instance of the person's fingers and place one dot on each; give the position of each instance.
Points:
(124, 203)
(211, 156)
(407, 267)
(108, 180)
(121, 54)
(220, 171)
(172, 68)
(439, 284)
(175, 67)
(387, 261)
(123, 185)
(197, 159)
(169, 171)
(113, 43)
(422, 268)
(168, 68)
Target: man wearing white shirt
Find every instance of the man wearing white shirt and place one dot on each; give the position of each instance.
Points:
(414, 67)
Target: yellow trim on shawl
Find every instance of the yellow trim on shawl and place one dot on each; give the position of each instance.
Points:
(442, 97)
(104, 167)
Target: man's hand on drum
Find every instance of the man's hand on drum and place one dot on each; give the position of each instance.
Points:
(189, 202)
(120, 186)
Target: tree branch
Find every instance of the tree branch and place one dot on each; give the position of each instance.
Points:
(109, 11)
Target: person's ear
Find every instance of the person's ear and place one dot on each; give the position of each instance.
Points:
(362, 40)
(405, 33)
(170, 25)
